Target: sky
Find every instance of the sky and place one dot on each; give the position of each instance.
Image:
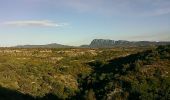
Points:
(78, 22)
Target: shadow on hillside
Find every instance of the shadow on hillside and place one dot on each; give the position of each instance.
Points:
(116, 64)
(8, 94)
(124, 73)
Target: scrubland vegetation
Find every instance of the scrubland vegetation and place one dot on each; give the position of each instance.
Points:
(134, 73)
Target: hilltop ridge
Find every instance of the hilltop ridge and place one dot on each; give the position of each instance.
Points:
(100, 43)
(104, 43)
(52, 45)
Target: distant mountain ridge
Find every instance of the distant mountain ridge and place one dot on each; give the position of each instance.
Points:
(100, 43)
(106, 43)
(52, 45)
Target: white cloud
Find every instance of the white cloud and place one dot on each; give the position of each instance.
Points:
(35, 23)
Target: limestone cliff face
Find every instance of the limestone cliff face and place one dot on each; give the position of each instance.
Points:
(101, 43)
(106, 43)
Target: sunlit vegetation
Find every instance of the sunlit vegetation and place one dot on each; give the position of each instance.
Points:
(90, 74)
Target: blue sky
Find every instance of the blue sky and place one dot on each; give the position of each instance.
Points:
(76, 22)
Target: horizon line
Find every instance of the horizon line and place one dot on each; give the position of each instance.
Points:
(65, 44)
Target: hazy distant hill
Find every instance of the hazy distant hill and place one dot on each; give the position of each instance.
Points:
(100, 43)
(84, 46)
(104, 43)
(53, 45)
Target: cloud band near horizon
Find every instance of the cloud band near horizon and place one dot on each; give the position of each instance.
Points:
(33, 23)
